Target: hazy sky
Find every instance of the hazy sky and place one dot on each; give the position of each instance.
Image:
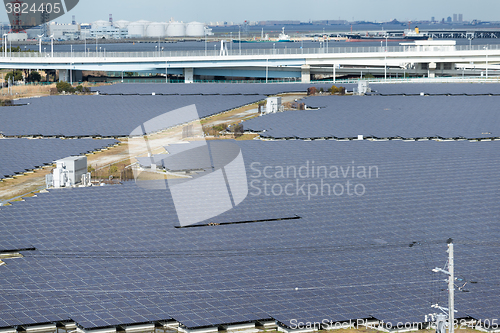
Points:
(257, 10)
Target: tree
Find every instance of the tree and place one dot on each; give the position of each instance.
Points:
(311, 91)
(337, 90)
(64, 86)
(34, 76)
(15, 75)
(237, 130)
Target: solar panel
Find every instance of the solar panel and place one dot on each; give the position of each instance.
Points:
(212, 88)
(436, 88)
(348, 257)
(21, 155)
(108, 116)
(385, 117)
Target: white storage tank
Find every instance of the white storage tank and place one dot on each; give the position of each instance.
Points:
(121, 24)
(195, 29)
(137, 28)
(156, 29)
(176, 29)
(100, 23)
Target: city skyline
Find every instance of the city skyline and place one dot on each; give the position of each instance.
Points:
(88, 11)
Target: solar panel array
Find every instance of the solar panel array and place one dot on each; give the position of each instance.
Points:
(385, 117)
(108, 116)
(21, 155)
(437, 88)
(111, 255)
(212, 88)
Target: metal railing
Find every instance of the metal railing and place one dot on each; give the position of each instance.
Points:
(102, 54)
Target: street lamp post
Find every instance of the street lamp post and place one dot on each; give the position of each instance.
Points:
(40, 43)
(52, 45)
(486, 61)
(385, 66)
(5, 47)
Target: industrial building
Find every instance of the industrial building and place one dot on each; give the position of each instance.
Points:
(64, 31)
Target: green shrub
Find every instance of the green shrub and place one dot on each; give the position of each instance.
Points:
(15, 75)
(64, 86)
(34, 76)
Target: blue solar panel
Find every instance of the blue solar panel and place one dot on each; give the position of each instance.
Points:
(212, 88)
(108, 116)
(348, 257)
(385, 117)
(436, 88)
(21, 155)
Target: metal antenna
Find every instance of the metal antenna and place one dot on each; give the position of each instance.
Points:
(450, 311)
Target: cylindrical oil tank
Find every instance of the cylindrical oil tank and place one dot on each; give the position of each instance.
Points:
(121, 24)
(100, 23)
(137, 28)
(176, 29)
(156, 29)
(195, 29)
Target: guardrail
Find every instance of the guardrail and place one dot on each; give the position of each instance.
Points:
(102, 53)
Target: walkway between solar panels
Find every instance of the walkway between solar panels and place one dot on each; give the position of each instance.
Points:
(274, 63)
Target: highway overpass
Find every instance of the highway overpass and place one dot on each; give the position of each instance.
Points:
(426, 58)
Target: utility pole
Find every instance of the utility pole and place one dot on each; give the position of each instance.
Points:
(451, 292)
(451, 286)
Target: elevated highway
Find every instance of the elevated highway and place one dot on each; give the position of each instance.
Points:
(428, 60)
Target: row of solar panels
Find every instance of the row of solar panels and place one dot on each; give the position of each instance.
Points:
(276, 88)
(21, 155)
(111, 255)
(211, 88)
(107, 116)
(436, 88)
(385, 117)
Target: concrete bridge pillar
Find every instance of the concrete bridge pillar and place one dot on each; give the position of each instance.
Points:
(64, 75)
(306, 73)
(188, 75)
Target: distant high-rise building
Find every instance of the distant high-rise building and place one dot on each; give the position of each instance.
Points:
(460, 17)
(448, 19)
(455, 18)
(433, 19)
